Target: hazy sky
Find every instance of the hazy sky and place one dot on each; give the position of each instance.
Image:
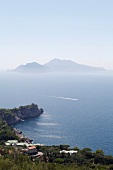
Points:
(40, 30)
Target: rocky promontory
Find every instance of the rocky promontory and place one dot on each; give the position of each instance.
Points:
(12, 116)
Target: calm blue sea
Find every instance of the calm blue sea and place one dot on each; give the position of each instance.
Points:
(86, 122)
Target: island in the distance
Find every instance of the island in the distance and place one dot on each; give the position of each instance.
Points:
(12, 116)
(56, 65)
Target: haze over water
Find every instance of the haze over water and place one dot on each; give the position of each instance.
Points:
(78, 107)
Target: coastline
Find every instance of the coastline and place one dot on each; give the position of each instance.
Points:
(21, 136)
(9, 117)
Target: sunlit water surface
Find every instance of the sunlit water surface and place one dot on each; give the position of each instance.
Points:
(78, 108)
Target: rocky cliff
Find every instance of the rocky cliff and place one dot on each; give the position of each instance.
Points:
(12, 116)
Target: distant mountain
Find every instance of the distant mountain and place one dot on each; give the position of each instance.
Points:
(56, 65)
(31, 67)
(70, 66)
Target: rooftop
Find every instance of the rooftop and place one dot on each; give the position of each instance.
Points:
(31, 147)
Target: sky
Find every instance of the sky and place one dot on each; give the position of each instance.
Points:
(41, 30)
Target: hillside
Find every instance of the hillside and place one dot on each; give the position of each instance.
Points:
(11, 116)
(33, 67)
(6, 132)
(70, 66)
(54, 158)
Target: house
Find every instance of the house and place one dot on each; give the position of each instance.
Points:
(30, 150)
(11, 142)
(70, 152)
(22, 144)
(39, 154)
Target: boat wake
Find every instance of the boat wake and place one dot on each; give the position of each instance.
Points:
(51, 136)
(63, 98)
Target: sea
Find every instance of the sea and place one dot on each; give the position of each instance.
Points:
(78, 108)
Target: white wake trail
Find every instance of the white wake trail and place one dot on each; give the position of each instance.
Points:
(63, 98)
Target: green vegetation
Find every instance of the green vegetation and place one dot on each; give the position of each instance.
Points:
(31, 106)
(6, 114)
(12, 158)
(6, 132)
(82, 157)
(14, 115)
(11, 116)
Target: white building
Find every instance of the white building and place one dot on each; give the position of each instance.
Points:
(70, 152)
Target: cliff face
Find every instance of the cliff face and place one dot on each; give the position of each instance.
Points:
(12, 116)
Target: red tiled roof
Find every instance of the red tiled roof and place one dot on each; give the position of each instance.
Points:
(31, 147)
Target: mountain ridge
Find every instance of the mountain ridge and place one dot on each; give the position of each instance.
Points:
(56, 65)
(31, 67)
